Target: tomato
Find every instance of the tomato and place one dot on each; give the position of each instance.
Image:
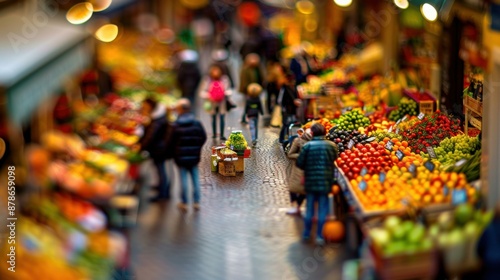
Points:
(376, 164)
(350, 175)
(340, 161)
(356, 160)
(372, 150)
(368, 154)
(344, 167)
(355, 170)
(364, 150)
(376, 154)
(374, 145)
(380, 159)
(351, 164)
(369, 164)
(364, 159)
(359, 146)
(344, 156)
(348, 152)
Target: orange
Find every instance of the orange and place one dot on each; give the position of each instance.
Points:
(386, 139)
(404, 143)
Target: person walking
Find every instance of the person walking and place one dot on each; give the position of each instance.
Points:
(295, 181)
(188, 138)
(289, 101)
(221, 58)
(275, 79)
(317, 159)
(154, 142)
(215, 92)
(253, 108)
(188, 74)
(250, 73)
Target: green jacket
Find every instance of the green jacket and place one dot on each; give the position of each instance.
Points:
(317, 160)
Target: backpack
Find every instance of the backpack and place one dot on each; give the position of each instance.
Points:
(216, 91)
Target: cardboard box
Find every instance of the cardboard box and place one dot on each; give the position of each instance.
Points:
(227, 168)
(240, 164)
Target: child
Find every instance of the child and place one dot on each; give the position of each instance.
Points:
(253, 108)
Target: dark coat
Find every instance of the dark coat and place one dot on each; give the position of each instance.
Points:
(188, 138)
(317, 160)
(188, 78)
(253, 107)
(153, 141)
(287, 101)
(249, 75)
(488, 249)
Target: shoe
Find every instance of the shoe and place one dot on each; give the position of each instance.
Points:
(292, 211)
(182, 206)
(244, 122)
(214, 136)
(254, 143)
(196, 207)
(223, 138)
(320, 241)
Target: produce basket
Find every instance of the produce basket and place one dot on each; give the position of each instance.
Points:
(419, 265)
(226, 154)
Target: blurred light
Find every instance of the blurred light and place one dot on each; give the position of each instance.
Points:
(311, 25)
(429, 12)
(107, 33)
(305, 7)
(165, 36)
(100, 5)
(343, 3)
(194, 4)
(80, 13)
(403, 4)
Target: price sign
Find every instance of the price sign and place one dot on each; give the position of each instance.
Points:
(404, 118)
(382, 177)
(397, 130)
(405, 201)
(364, 171)
(429, 165)
(460, 162)
(398, 122)
(421, 116)
(346, 109)
(458, 197)
(350, 144)
(362, 185)
(389, 145)
(371, 139)
(400, 155)
(413, 170)
(431, 152)
(390, 129)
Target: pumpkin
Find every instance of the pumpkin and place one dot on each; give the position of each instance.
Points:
(335, 189)
(333, 231)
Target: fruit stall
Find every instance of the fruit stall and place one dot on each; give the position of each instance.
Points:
(403, 172)
(229, 158)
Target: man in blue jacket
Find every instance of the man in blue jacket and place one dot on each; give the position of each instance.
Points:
(317, 160)
(188, 138)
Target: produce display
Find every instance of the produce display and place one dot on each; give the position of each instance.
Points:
(236, 141)
(398, 236)
(470, 167)
(453, 149)
(324, 121)
(352, 120)
(344, 139)
(406, 106)
(431, 131)
(373, 157)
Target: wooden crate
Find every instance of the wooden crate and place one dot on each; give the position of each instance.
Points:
(426, 107)
(240, 164)
(421, 265)
(474, 105)
(227, 168)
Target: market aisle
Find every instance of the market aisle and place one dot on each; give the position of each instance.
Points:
(241, 232)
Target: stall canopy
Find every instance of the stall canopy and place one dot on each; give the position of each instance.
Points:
(37, 52)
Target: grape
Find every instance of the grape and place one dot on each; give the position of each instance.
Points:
(453, 149)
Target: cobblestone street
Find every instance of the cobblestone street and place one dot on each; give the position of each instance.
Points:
(241, 232)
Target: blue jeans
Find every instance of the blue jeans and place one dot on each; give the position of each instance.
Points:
(163, 184)
(322, 200)
(254, 127)
(184, 182)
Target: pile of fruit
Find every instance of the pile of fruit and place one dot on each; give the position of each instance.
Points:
(453, 149)
(323, 121)
(352, 120)
(405, 107)
(380, 135)
(397, 237)
(431, 131)
(345, 138)
(471, 167)
(373, 158)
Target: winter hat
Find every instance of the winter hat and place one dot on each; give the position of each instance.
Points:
(254, 89)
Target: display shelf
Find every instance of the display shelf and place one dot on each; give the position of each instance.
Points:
(473, 113)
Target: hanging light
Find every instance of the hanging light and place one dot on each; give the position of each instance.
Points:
(305, 7)
(107, 33)
(80, 13)
(402, 4)
(429, 12)
(343, 3)
(100, 5)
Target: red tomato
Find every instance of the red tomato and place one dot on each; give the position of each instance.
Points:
(351, 164)
(359, 146)
(364, 150)
(348, 152)
(368, 154)
(374, 145)
(344, 156)
(372, 150)
(376, 154)
(355, 170)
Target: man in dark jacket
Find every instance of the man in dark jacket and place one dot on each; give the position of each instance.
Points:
(153, 141)
(317, 160)
(188, 138)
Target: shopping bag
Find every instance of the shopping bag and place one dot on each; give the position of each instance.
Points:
(276, 118)
(297, 186)
(207, 105)
(229, 105)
